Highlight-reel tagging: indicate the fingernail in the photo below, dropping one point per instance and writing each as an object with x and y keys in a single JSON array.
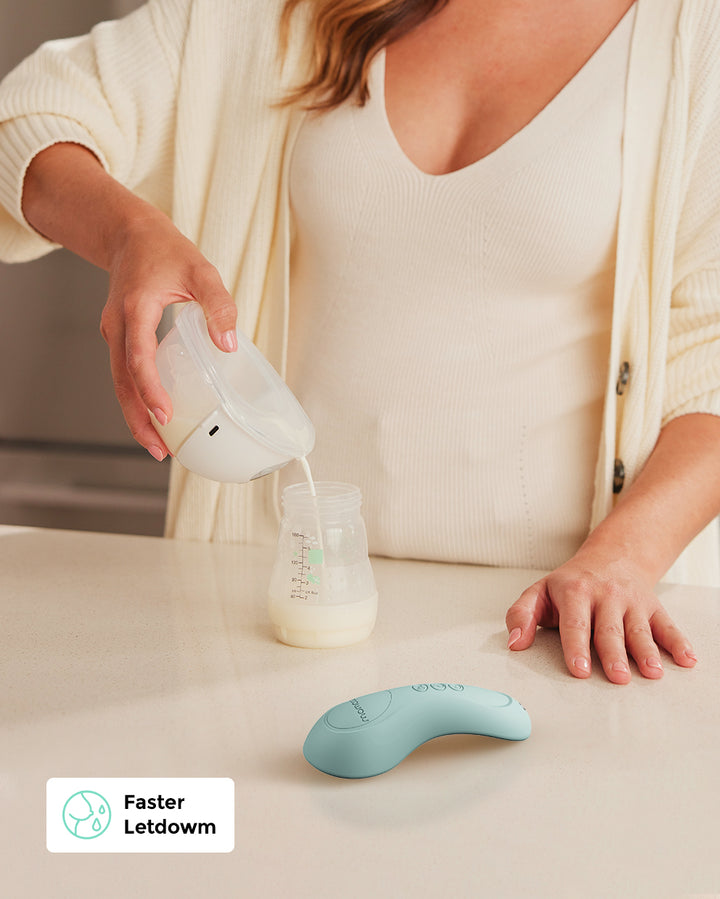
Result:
[
  {"x": 156, "y": 453},
  {"x": 161, "y": 417},
  {"x": 581, "y": 663},
  {"x": 691, "y": 655},
  {"x": 654, "y": 663},
  {"x": 515, "y": 635},
  {"x": 229, "y": 341},
  {"x": 620, "y": 667}
]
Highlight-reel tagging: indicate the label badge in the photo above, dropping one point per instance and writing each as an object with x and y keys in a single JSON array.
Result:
[{"x": 140, "y": 814}]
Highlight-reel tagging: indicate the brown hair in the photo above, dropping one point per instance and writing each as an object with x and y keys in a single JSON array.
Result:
[{"x": 346, "y": 36}]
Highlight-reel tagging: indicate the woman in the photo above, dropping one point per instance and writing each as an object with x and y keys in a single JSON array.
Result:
[{"x": 529, "y": 190}]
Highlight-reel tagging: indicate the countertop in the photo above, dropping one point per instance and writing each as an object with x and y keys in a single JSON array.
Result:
[{"x": 137, "y": 656}]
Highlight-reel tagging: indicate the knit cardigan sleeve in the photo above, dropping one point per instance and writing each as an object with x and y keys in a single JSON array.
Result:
[
  {"x": 693, "y": 362},
  {"x": 94, "y": 91}
]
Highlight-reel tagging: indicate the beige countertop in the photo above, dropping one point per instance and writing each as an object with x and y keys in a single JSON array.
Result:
[{"x": 135, "y": 656}]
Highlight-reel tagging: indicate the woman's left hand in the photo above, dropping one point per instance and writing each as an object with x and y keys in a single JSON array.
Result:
[{"x": 608, "y": 601}]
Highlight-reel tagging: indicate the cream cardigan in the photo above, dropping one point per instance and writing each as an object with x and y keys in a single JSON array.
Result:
[{"x": 176, "y": 101}]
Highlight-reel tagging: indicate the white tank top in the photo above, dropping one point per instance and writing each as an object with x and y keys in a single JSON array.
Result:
[{"x": 449, "y": 334}]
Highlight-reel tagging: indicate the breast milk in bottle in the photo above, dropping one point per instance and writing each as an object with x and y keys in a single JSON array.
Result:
[{"x": 322, "y": 589}]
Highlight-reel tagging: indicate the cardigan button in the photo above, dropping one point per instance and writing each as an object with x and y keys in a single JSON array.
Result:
[
  {"x": 623, "y": 378},
  {"x": 618, "y": 476}
]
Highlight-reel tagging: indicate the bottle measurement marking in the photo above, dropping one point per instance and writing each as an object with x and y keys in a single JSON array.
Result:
[{"x": 304, "y": 583}]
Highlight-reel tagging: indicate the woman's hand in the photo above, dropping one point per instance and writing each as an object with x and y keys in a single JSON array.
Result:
[
  {"x": 608, "y": 601},
  {"x": 606, "y": 591},
  {"x": 153, "y": 266},
  {"x": 70, "y": 198}
]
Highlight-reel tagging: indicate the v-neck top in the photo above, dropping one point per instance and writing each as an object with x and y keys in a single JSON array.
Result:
[{"x": 449, "y": 334}]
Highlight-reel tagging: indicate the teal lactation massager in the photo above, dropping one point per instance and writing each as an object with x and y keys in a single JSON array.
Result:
[{"x": 371, "y": 734}]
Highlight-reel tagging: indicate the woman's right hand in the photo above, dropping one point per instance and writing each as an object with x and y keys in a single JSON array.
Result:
[
  {"x": 152, "y": 266},
  {"x": 69, "y": 198}
]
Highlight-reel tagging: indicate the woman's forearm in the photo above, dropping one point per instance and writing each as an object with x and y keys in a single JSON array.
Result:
[
  {"x": 69, "y": 198},
  {"x": 673, "y": 498}
]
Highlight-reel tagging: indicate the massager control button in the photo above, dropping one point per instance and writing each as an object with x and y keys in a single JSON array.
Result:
[
  {"x": 359, "y": 711},
  {"x": 457, "y": 687},
  {"x": 421, "y": 688},
  {"x": 500, "y": 700},
  {"x": 438, "y": 686}
]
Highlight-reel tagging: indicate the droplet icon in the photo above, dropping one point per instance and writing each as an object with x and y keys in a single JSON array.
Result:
[
  {"x": 101, "y": 810},
  {"x": 96, "y": 825}
]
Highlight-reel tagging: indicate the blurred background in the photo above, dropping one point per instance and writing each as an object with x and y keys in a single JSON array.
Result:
[{"x": 67, "y": 459}]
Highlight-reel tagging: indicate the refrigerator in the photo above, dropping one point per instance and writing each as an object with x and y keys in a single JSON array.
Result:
[{"x": 67, "y": 459}]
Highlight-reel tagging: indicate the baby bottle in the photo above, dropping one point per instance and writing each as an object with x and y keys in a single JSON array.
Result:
[{"x": 322, "y": 590}]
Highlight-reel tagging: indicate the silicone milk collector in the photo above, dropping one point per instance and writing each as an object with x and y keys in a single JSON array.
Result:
[{"x": 234, "y": 418}]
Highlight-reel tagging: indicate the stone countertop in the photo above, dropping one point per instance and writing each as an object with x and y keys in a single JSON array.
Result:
[{"x": 137, "y": 656}]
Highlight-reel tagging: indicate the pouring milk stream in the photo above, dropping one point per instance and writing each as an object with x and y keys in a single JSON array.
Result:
[{"x": 234, "y": 420}]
